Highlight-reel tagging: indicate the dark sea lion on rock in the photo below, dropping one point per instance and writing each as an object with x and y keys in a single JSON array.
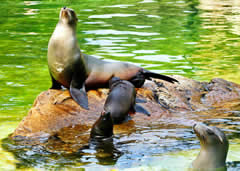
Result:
[
  {"x": 214, "y": 148},
  {"x": 121, "y": 101},
  {"x": 65, "y": 61}
]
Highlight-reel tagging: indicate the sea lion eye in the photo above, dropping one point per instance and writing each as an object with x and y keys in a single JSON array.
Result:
[
  {"x": 72, "y": 12},
  {"x": 210, "y": 132}
]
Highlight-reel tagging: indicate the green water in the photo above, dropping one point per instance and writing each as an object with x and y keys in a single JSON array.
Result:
[{"x": 196, "y": 39}]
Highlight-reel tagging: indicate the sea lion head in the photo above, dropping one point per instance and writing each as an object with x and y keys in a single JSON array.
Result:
[
  {"x": 68, "y": 16},
  {"x": 214, "y": 147},
  {"x": 113, "y": 81},
  {"x": 103, "y": 127}
]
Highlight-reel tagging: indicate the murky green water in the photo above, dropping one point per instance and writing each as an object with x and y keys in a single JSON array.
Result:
[{"x": 194, "y": 38}]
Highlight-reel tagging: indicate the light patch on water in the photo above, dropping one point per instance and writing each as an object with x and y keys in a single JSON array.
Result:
[
  {"x": 116, "y": 32},
  {"x": 7, "y": 162},
  {"x": 113, "y": 47},
  {"x": 29, "y": 3},
  {"x": 96, "y": 22},
  {"x": 88, "y": 10},
  {"x": 163, "y": 58},
  {"x": 110, "y": 51},
  {"x": 30, "y": 11},
  {"x": 191, "y": 43},
  {"x": 147, "y": 1},
  {"x": 128, "y": 45},
  {"x": 102, "y": 42},
  {"x": 139, "y": 26},
  {"x": 153, "y": 16},
  {"x": 122, "y": 54},
  {"x": 114, "y": 38},
  {"x": 160, "y": 38},
  {"x": 112, "y": 15},
  {"x": 145, "y": 51},
  {"x": 118, "y": 6}
]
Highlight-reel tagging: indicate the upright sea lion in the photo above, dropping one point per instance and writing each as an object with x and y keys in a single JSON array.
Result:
[
  {"x": 65, "y": 60},
  {"x": 121, "y": 101},
  {"x": 214, "y": 148},
  {"x": 71, "y": 68}
]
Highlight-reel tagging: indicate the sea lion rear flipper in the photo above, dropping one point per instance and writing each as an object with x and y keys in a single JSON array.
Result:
[
  {"x": 148, "y": 74},
  {"x": 140, "y": 109},
  {"x": 140, "y": 100},
  {"x": 79, "y": 95}
]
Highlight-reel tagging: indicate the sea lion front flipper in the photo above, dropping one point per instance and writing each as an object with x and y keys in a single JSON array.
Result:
[
  {"x": 141, "y": 100},
  {"x": 140, "y": 109},
  {"x": 79, "y": 95},
  {"x": 55, "y": 84}
]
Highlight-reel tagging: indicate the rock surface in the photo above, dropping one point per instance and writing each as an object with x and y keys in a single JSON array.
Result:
[{"x": 55, "y": 116}]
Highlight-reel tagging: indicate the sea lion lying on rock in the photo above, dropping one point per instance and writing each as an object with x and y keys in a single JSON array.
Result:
[{"x": 214, "y": 148}]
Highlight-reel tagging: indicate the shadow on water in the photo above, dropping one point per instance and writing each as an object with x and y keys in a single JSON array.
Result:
[{"x": 194, "y": 38}]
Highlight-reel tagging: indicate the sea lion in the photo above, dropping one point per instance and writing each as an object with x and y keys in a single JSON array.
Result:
[
  {"x": 214, "y": 148},
  {"x": 102, "y": 128},
  {"x": 100, "y": 72},
  {"x": 65, "y": 60},
  {"x": 121, "y": 101},
  {"x": 101, "y": 139}
]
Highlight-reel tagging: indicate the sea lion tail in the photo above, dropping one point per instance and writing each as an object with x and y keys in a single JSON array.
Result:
[{"x": 149, "y": 74}]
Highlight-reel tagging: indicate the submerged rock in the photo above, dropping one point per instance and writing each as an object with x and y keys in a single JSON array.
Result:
[{"x": 59, "y": 123}]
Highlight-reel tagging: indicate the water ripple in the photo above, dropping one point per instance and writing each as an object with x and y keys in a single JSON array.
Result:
[
  {"x": 112, "y": 15},
  {"x": 118, "y": 6},
  {"x": 116, "y": 32}
]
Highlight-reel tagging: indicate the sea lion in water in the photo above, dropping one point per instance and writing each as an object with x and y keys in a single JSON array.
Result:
[
  {"x": 214, "y": 148},
  {"x": 101, "y": 139},
  {"x": 65, "y": 60},
  {"x": 103, "y": 127},
  {"x": 121, "y": 101}
]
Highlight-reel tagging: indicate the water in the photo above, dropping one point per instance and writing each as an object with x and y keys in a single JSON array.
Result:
[{"x": 196, "y": 39}]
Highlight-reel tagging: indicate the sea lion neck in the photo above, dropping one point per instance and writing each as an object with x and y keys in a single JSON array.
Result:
[
  {"x": 70, "y": 28},
  {"x": 210, "y": 158},
  {"x": 71, "y": 25},
  {"x": 68, "y": 36}
]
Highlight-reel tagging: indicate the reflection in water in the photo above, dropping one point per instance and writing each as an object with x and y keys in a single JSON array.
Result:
[
  {"x": 38, "y": 156},
  {"x": 195, "y": 38},
  {"x": 106, "y": 153}
]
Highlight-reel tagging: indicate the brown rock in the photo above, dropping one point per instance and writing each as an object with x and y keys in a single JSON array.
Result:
[{"x": 56, "y": 117}]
